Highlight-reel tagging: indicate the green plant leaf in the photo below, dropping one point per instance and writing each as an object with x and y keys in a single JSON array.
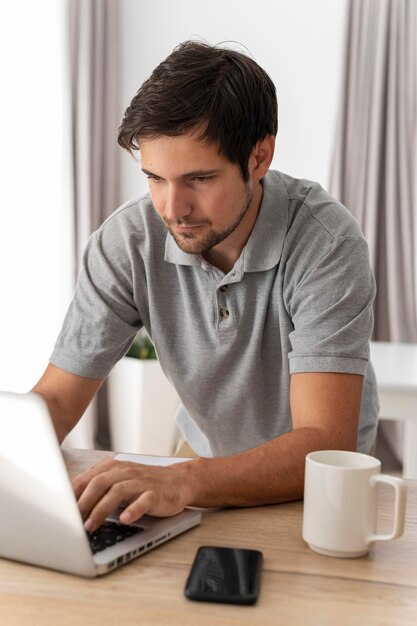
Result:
[{"x": 142, "y": 347}]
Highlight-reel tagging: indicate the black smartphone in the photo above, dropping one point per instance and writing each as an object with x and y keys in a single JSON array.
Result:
[{"x": 230, "y": 575}]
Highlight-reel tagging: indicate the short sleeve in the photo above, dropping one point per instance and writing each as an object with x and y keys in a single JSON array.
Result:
[
  {"x": 102, "y": 319},
  {"x": 332, "y": 311}
]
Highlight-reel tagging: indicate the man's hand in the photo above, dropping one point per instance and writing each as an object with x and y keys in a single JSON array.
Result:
[{"x": 159, "y": 491}]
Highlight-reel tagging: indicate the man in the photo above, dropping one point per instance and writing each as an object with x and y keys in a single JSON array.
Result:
[{"x": 255, "y": 288}]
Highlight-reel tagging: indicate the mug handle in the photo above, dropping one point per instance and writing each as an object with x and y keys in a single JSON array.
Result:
[{"x": 399, "y": 512}]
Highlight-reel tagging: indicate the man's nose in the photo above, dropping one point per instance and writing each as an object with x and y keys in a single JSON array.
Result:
[{"x": 177, "y": 204}]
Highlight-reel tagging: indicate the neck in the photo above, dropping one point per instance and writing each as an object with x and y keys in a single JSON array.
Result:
[{"x": 227, "y": 252}]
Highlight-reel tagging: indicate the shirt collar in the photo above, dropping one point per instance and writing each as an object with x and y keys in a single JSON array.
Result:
[{"x": 264, "y": 247}]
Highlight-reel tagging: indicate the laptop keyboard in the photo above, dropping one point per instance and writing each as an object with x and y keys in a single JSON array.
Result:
[{"x": 110, "y": 533}]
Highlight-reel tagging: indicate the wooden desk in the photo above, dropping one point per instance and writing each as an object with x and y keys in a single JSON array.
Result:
[
  {"x": 396, "y": 373},
  {"x": 298, "y": 586}
]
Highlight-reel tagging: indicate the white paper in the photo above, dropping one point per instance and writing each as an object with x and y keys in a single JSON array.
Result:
[{"x": 151, "y": 460}]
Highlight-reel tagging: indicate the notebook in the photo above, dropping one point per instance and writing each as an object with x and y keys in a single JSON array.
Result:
[{"x": 40, "y": 522}]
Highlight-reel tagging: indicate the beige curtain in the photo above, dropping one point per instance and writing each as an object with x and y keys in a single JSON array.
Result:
[
  {"x": 374, "y": 166},
  {"x": 96, "y": 114}
]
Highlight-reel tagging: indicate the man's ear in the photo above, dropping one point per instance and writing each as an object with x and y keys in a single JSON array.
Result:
[{"x": 261, "y": 157}]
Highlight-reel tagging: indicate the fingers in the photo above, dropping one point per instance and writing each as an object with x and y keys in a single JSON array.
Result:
[
  {"x": 80, "y": 482},
  {"x": 98, "y": 489},
  {"x": 112, "y": 498},
  {"x": 103, "y": 489},
  {"x": 139, "y": 507},
  {"x": 142, "y": 489}
]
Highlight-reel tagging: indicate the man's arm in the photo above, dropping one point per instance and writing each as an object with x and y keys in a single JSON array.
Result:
[
  {"x": 67, "y": 397},
  {"x": 325, "y": 412}
]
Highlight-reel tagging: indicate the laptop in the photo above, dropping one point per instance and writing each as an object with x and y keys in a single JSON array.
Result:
[{"x": 40, "y": 522}]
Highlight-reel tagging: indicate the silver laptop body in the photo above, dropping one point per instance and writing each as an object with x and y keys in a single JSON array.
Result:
[{"x": 40, "y": 522}]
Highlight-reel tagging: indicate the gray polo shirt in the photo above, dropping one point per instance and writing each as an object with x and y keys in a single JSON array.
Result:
[{"x": 299, "y": 299}]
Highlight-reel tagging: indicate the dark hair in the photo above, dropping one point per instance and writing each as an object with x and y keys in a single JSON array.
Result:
[{"x": 224, "y": 90}]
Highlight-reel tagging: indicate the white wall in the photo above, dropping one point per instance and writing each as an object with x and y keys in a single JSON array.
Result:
[
  {"x": 299, "y": 43},
  {"x": 35, "y": 224}
]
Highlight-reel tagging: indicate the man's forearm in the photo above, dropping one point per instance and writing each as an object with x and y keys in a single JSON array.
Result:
[{"x": 270, "y": 473}]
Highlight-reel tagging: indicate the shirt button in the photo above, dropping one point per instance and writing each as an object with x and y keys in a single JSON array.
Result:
[
  {"x": 224, "y": 288},
  {"x": 224, "y": 313}
]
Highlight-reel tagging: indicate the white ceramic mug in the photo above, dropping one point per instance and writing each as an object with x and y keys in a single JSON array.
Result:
[{"x": 340, "y": 503}]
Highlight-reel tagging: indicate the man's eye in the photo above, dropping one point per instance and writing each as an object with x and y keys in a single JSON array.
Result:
[
  {"x": 201, "y": 179},
  {"x": 154, "y": 179}
]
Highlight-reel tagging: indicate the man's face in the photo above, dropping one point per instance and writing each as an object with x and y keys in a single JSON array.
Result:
[{"x": 200, "y": 195}]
